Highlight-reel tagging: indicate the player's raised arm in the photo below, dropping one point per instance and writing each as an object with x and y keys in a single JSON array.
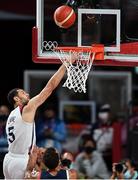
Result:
[
  {"x": 48, "y": 89},
  {"x": 30, "y": 108},
  {"x": 50, "y": 86}
]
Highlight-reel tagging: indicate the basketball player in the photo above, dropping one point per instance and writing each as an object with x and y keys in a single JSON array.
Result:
[
  {"x": 52, "y": 168},
  {"x": 20, "y": 128}
]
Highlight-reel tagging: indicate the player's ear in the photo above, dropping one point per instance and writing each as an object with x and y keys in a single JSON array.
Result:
[{"x": 16, "y": 98}]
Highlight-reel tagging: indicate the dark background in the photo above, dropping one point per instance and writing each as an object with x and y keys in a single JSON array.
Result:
[{"x": 16, "y": 54}]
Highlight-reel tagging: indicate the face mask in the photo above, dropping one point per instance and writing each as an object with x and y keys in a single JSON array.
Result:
[
  {"x": 89, "y": 149},
  {"x": 66, "y": 162},
  {"x": 103, "y": 116}
]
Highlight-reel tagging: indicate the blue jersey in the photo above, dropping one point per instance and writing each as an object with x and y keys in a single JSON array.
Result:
[{"x": 62, "y": 174}]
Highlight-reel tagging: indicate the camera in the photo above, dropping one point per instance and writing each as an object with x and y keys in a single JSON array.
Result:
[{"x": 120, "y": 167}]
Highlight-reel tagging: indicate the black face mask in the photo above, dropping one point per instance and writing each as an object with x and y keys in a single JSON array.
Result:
[
  {"x": 89, "y": 149},
  {"x": 66, "y": 162}
]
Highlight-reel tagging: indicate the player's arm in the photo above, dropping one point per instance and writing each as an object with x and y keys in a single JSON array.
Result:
[
  {"x": 51, "y": 85},
  {"x": 35, "y": 102},
  {"x": 30, "y": 172},
  {"x": 29, "y": 110}
]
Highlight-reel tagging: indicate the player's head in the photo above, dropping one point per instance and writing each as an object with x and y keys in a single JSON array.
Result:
[
  {"x": 51, "y": 158},
  {"x": 17, "y": 97},
  {"x": 89, "y": 145}
]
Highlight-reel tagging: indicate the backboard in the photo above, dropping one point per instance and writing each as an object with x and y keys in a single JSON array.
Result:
[{"x": 96, "y": 23}]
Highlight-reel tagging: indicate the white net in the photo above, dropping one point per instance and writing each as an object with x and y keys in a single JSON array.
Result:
[{"x": 77, "y": 73}]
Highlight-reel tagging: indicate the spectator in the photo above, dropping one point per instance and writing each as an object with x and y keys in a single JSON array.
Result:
[
  {"x": 51, "y": 131},
  {"x": 131, "y": 172},
  {"x": 125, "y": 170},
  {"x": 4, "y": 112},
  {"x": 67, "y": 160},
  {"x": 89, "y": 163},
  {"x": 117, "y": 171},
  {"x": 103, "y": 134}
]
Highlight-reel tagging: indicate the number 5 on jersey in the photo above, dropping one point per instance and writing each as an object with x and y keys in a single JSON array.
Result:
[{"x": 11, "y": 134}]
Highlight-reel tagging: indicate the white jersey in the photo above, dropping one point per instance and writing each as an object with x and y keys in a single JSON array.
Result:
[{"x": 19, "y": 133}]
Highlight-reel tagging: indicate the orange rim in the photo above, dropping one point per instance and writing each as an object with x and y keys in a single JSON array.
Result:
[{"x": 98, "y": 49}]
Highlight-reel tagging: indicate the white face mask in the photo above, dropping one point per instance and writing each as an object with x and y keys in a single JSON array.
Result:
[{"x": 103, "y": 116}]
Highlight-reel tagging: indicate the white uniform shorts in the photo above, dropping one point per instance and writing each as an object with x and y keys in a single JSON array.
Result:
[{"x": 14, "y": 166}]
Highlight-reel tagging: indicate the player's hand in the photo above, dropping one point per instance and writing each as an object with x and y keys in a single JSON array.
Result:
[
  {"x": 74, "y": 56},
  {"x": 71, "y": 58}
]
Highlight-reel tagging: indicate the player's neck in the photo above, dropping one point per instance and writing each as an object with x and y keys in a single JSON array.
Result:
[
  {"x": 18, "y": 104},
  {"x": 53, "y": 172}
]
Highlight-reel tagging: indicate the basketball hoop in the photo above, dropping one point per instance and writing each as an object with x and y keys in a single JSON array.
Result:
[{"x": 77, "y": 73}]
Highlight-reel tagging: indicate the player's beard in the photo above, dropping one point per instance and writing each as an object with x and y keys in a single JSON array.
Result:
[{"x": 25, "y": 101}]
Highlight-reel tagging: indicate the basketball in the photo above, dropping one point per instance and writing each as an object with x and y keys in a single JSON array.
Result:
[{"x": 64, "y": 16}]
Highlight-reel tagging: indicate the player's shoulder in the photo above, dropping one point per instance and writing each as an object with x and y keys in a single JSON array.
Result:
[
  {"x": 14, "y": 111},
  {"x": 13, "y": 114}
]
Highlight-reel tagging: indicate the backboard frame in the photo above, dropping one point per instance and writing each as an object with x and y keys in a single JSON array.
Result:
[{"x": 115, "y": 12}]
